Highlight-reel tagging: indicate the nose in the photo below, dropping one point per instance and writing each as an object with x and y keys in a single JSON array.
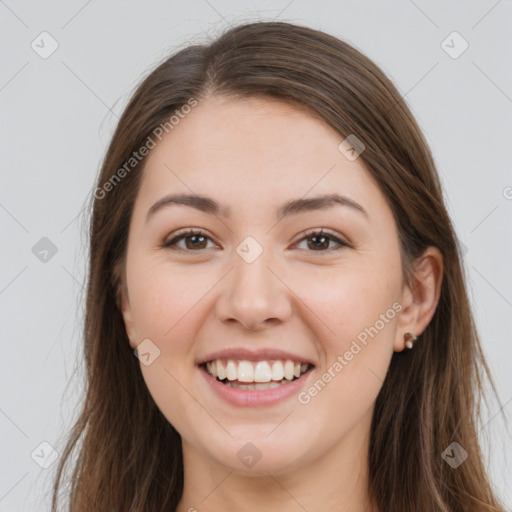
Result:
[{"x": 254, "y": 295}]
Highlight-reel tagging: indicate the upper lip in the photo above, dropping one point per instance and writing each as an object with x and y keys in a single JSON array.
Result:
[{"x": 265, "y": 354}]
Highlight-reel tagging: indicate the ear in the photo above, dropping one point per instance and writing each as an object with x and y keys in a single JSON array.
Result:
[
  {"x": 123, "y": 304},
  {"x": 420, "y": 299}
]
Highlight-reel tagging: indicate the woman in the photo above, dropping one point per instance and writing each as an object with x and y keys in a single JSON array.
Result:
[{"x": 277, "y": 317}]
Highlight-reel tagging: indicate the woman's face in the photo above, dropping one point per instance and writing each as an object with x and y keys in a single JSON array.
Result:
[{"x": 255, "y": 289}]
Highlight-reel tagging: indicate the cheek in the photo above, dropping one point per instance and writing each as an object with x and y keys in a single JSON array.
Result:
[
  {"x": 357, "y": 354},
  {"x": 169, "y": 390},
  {"x": 348, "y": 300},
  {"x": 163, "y": 300},
  {"x": 357, "y": 308},
  {"x": 166, "y": 307}
]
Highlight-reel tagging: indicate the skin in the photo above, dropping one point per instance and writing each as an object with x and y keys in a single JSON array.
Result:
[{"x": 252, "y": 155}]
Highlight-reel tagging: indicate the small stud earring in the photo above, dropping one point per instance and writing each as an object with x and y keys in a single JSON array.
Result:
[{"x": 409, "y": 339}]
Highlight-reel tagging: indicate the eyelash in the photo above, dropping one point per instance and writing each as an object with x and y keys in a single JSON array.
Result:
[{"x": 306, "y": 235}]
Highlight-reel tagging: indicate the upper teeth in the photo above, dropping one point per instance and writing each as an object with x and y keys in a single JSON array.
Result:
[{"x": 255, "y": 371}]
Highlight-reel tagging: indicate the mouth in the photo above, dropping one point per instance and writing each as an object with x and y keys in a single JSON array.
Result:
[{"x": 256, "y": 375}]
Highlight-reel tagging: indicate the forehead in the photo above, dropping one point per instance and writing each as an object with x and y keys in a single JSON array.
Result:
[
  {"x": 256, "y": 127},
  {"x": 255, "y": 151}
]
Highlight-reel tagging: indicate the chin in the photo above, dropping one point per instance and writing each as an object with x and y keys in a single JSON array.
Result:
[{"x": 257, "y": 456}]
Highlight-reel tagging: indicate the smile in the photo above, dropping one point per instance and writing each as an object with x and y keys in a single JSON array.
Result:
[
  {"x": 248, "y": 378},
  {"x": 255, "y": 375}
]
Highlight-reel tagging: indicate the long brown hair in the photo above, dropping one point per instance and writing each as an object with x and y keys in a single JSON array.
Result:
[{"x": 127, "y": 455}]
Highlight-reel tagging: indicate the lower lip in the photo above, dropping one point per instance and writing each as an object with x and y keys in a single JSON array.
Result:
[{"x": 256, "y": 397}]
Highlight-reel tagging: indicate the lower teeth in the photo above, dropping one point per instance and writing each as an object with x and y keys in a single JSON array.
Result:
[{"x": 256, "y": 385}]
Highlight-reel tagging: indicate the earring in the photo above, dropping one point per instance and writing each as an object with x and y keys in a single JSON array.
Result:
[{"x": 409, "y": 339}]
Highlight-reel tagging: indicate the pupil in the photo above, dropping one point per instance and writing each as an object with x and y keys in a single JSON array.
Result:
[
  {"x": 195, "y": 237},
  {"x": 323, "y": 238}
]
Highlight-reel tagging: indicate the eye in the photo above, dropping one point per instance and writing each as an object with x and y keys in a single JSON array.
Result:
[
  {"x": 194, "y": 239},
  {"x": 197, "y": 239},
  {"x": 321, "y": 240}
]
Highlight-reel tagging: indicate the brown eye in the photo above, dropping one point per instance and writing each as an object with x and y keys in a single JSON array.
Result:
[
  {"x": 194, "y": 240},
  {"x": 318, "y": 241}
]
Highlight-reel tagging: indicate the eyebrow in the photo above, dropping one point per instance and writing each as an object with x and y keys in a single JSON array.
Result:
[{"x": 294, "y": 207}]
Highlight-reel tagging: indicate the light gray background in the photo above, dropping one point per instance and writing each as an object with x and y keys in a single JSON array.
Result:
[{"x": 58, "y": 114}]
